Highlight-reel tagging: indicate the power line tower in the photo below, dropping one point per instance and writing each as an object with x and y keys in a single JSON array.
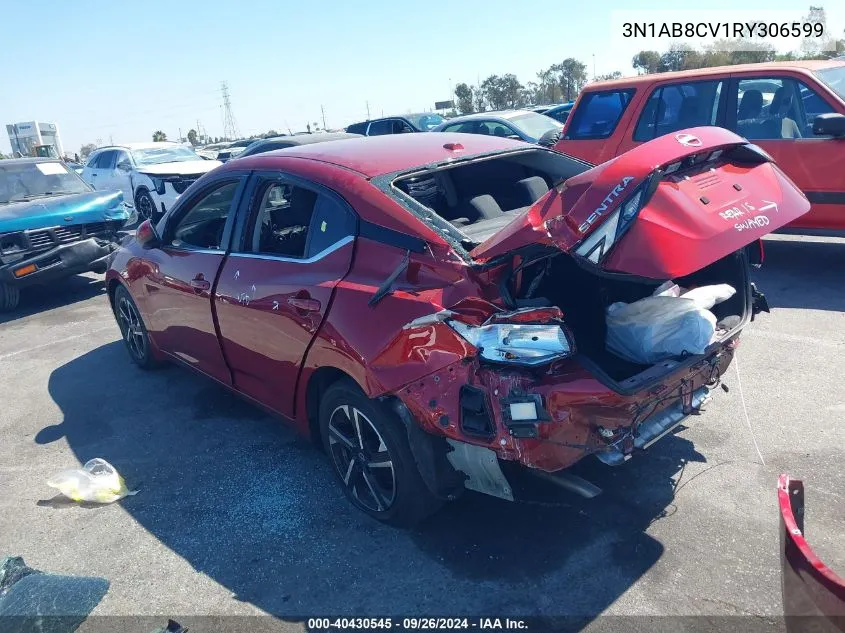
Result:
[{"x": 230, "y": 126}]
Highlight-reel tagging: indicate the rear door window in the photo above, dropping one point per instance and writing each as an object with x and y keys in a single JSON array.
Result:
[
  {"x": 674, "y": 107},
  {"x": 598, "y": 113},
  {"x": 105, "y": 160},
  {"x": 378, "y": 128}
]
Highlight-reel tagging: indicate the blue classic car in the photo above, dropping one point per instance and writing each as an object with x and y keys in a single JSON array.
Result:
[{"x": 52, "y": 225}]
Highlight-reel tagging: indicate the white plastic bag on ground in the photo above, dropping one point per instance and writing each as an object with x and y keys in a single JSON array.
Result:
[
  {"x": 96, "y": 481},
  {"x": 664, "y": 325}
]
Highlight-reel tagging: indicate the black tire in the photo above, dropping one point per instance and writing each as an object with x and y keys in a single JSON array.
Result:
[
  {"x": 133, "y": 330},
  {"x": 10, "y": 296},
  {"x": 363, "y": 472},
  {"x": 145, "y": 206}
]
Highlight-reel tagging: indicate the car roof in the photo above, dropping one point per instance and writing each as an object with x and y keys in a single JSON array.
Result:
[
  {"x": 490, "y": 114},
  {"x": 30, "y": 159},
  {"x": 808, "y": 65},
  {"x": 377, "y": 155},
  {"x": 306, "y": 139},
  {"x": 135, "y": 146}
]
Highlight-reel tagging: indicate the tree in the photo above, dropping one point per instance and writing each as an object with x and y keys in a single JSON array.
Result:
[
  {"x": 609, "y": 76},
  {"x": 86, "y": 150},
  {"x": 478, "y": 101},
  {"x": 271, "y": 133},
  {"x": 192, "y": 137},
  {"x": 680, "y": 57},
  {"x": 571, "y": 76},
  {"x": 158, "y": 135},
  {"x": 647, "y": 62},
  {"x": 464, "y": 95}
]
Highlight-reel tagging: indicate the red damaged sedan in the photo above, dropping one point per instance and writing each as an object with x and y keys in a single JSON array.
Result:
[{"x": 427, "y": 305}]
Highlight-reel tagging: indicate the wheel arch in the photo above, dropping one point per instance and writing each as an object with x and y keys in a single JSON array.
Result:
[{"x": 318, "y": 383}]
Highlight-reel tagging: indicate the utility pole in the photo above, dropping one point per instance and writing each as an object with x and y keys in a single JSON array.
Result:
[
  {"x": 111, "y": 140},
  {"x": 368, "y": 110},
  {"x": 230, "y": 126},
  {"x": 180, "y": 134},
  {"x": 324, "y": 115},
  {"x": 594, "y": 66}
]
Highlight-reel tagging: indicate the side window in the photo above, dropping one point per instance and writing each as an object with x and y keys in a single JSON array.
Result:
[
  {"x": 677, "y": 106},
  {"x": 122, "y": 157},
  {"x": 494, "y": 128},
  {"x": 598, "y": 113},
  {"x": 401, "y": 127},
  {"x": 105, "y": 160},
  {"x": 92, "y": 160},
  {"x": 357, "y": 128},
  {"x": 777, "y": 108},
  {"x": 377, "y": 128},
  {"x": 202, "y": 224},
  {"x": 293, "y": 221}
]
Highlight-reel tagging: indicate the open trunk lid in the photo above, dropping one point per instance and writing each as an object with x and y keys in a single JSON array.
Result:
[{"x": 662, "y": 210}]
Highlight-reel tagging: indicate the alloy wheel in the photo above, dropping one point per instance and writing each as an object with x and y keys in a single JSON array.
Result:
[
  {"x": 362, "y": 459},
  {"x": 145, "y": 206},
  {"x": 132, "y": 328}
]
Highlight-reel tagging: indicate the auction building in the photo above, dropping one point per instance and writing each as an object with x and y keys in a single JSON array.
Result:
[{"x": 25, "y": 136}]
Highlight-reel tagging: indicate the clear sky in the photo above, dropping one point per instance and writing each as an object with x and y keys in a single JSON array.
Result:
[{"x": 116, "y": 70}]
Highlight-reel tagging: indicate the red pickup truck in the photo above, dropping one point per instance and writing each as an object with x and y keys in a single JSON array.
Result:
[{"x": 795, "y": 111}]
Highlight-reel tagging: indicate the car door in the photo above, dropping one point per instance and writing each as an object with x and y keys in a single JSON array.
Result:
[
  {"x": 677, "y": 105},
  {"x": 100, "y": 172},
  {"x": 380, "y": 127},
  {"x": 177, "y": 290},
  {"x": 589, "y": 131},
  {"x": 292, "y": 248},
  {"x": 121, "y": 175},
  {"x": 782, "y": 124}
]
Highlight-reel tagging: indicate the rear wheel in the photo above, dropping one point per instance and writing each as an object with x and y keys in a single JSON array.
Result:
[
  {"x": 368, "y": 448},
  {"x": 10, "y": 296},
  {"x": 133, "y": 330}
]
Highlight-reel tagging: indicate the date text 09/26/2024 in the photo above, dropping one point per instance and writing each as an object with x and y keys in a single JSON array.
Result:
[{"x": 416, "y": 624}]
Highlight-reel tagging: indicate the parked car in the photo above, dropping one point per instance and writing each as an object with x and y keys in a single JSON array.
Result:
[
  {"x": 152, "y": 175},
  {"x": 813, "y": 594},
  {"x": 281, "y": 142},
  {"x": 234, "y": 149},
  {"x": 516, "y": 124},
  {"x": 52, "y": 225},
  {"x": 482, "y": 268},
  {"x": 560, "y": 112},
  {"x": 795, "y": 111},
  {"x": 402, "y": 124},
  {"x": 542, "y": 109}
]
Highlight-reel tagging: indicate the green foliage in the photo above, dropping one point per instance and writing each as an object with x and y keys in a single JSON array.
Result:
[
  {"x": 463, "y": 94},
  {"x": 159, "y": 136},
  {"x": 86, "y": 150},
  {"x": 192, "y": 137}
]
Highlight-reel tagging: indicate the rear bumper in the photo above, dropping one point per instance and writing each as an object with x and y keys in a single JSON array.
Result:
[
  {"x": 63, "y": 261},
  {"x": 576, "y": 415}
]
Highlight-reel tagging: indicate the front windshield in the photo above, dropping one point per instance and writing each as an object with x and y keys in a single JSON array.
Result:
[
  {"x": 27, "y": 181},
  {"x": 157, "y": 155},
  {"x": 834, "y": 78},
  {"x": 535, "y": 125},
  {"x": 426, "y": 122}
]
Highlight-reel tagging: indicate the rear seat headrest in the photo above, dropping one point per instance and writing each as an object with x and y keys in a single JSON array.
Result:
[
  {"x": 486, "y": 207},
  {"x": 532, "y": 189}
]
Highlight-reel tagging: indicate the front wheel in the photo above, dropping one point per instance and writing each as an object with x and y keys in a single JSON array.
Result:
[
  {"x": 10, "y": 296},
  {"x": 368, "y": 447},
  {"x": 145, "y": 205}
]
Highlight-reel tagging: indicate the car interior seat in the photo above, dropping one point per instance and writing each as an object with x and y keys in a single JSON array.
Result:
[
  {"x": 499, "y": 130},
  {"x": 531, "y": 189}
]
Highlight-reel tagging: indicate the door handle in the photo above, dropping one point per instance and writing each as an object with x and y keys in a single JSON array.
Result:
[
  {"x": 199, "y": 284},
  {"x": 306, "y": 305}
]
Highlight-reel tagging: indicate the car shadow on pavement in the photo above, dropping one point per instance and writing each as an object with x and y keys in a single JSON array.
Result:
[
  {"x": 803, "y": 274},
  {"x": 35, "y": 299},
  {"x": 236, "y": 494}
]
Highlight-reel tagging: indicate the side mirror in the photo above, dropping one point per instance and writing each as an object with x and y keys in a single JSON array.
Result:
[
  {"x": 831, "y": 124},
  {"x": 124, "y": 165},
  {"x": 514, "y": 137},
  {"x": 147, "y": 236}
]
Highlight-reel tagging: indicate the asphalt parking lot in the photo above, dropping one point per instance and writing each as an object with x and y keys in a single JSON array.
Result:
[{"x": 236, "y": 516}]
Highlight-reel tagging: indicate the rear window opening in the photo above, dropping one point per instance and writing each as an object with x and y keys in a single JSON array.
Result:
[{"x": 481, "y": 196}]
